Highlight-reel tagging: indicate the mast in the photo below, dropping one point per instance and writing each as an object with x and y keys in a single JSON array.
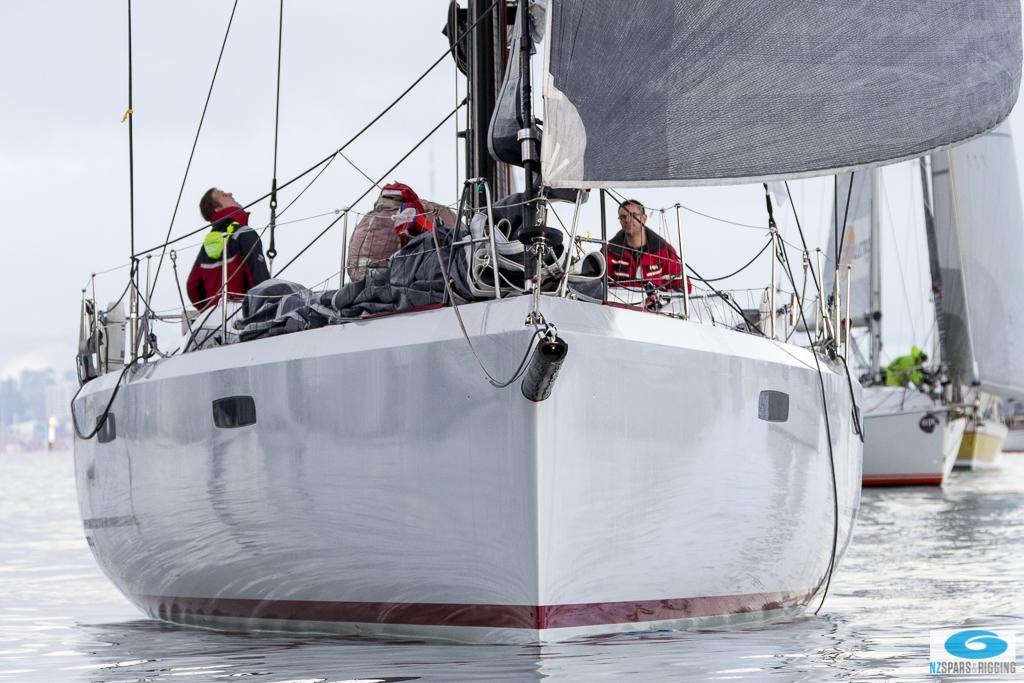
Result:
[
  {"x": 528, "y": 136},
  {"x": 933, "y": 258},
  {"x": 875, "y": 317},
  {"x": 485, "y": 69}
]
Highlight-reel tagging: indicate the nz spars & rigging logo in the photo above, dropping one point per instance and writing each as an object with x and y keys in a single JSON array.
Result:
[{"x": 985, "y": 651}]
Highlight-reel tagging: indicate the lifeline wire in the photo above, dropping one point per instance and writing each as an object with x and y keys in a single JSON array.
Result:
[{"x": 743, "y": 267}]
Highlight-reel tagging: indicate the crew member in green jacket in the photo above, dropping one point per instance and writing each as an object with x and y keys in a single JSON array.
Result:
[{"x": 906, "y": 369}]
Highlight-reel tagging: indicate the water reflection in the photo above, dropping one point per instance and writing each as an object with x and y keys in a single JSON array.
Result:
[
  {"x": 921, "y": 559},
  {"x": 144, "y": 650}
]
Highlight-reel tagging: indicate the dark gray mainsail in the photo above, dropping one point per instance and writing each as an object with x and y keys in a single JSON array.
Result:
[
  {"x": 679, "y": 92},
  {"x": 979, "y": 232}
]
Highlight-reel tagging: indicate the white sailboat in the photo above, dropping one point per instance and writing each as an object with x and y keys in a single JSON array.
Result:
[
  {"x": 985, "y": 436},
  {"x": 910, "y": 438},
  {"x": 979, "y": 226},
  {"x": 1014, "y": 413},
  {"x": 364, "y": 478}
]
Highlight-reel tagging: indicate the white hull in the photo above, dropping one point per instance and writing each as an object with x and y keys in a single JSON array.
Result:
[
  {"x": 983, "y": 442},
  {"x": 387, "y": 489},
  {"x": 908, "y": 438},
  {"x": 1014, "y": 441}
]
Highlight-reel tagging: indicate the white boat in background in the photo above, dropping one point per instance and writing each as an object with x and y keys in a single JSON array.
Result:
[
  {"x": 975, "y": 190},
  {"x": 1014, "y": 442},
  {"x": 983, "y": 442},
  {"x": 910, "y": 439},
  {"x": 364, "y": 478},
  {"x": 1014, "y": 413},
  {"x": 985, "y": 435}
]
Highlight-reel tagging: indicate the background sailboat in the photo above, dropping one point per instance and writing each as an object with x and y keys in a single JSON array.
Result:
[
  {"x": 910, "y": 437},
  {"x": 979, "y": 231}
]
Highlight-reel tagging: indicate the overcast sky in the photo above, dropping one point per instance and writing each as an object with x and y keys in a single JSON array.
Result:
[{"x": 64, "y": 151}]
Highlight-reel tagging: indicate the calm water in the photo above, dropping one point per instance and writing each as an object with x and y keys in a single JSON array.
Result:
[{"x": 921, "y": 559}]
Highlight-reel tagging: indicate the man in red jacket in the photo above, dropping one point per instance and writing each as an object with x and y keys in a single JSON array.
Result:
[
  {"x": 246, "y": 265},
  {"x": 637, "y": 255}
]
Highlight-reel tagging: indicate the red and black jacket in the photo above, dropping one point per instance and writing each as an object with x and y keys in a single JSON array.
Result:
[
  {"x": 655, "y": 262},
  {"x": 246, "y": 265}
]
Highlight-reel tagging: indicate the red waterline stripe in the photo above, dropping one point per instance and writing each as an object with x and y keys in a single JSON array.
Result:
[
  {"x": 490, "y": 616},
  {"x": 903, "y": 480}
]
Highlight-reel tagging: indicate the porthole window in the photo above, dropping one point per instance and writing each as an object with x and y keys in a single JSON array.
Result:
[
  {"x": 108, "y": 430},
  {"x": 773, "y": 406},
  {"x": 234, "y": 411}
]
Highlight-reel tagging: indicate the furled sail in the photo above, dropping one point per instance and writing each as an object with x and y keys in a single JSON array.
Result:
[
  {"x": 678, "y": 92},
  {"x": 979, "y": 231},
  {"x": 855, "y": 240},
  {"x": 507, "y": 121}
]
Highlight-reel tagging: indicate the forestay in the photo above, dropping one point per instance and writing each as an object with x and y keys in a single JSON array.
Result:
[
  {"x": 854, "y": 236},
  {"x": 979, "y": 229},
  {"x": 679, "y": 92}
]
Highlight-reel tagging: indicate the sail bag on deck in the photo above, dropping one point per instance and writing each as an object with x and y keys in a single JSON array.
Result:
[{"x": 680, "y": 92}]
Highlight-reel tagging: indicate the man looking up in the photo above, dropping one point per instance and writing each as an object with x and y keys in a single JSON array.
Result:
[
  {"x": 637, "y": 255},
  {"x": 246, "y": 265}
]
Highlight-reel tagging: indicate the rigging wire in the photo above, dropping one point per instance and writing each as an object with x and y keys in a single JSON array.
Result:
[
  {"x": 323, "y": 162},
  {"x": 309, "y": 184},
  {"x": 784, "y": 259},
  {"x": 846, "y": 217},
  {"x": 359, "y": 170},
  {"x": 379, "y": 180},
  {"x": 131, "y": 140},
  {"x": 726, "y": 221},
  {"x": 272, "y": 248},
  {"x": 195, "y": 142},
  {"x": 360, "y": 198},
  {"x": 327, "y": 159}
]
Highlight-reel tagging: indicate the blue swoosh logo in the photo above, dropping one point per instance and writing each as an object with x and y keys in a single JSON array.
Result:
[{"x": 975, "y": 644}]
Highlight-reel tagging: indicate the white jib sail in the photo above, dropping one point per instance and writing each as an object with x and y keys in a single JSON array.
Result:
[{"x": 980, "y": 233}]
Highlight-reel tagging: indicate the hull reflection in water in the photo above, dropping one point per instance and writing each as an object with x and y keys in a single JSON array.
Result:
[{"x": 384, "y": 488}]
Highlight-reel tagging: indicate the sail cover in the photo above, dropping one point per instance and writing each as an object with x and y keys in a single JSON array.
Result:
[
  {"x": 979, "y": 230},
  {"x": 678, "y": 92},
  {"x": 855, "y": 238}
]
